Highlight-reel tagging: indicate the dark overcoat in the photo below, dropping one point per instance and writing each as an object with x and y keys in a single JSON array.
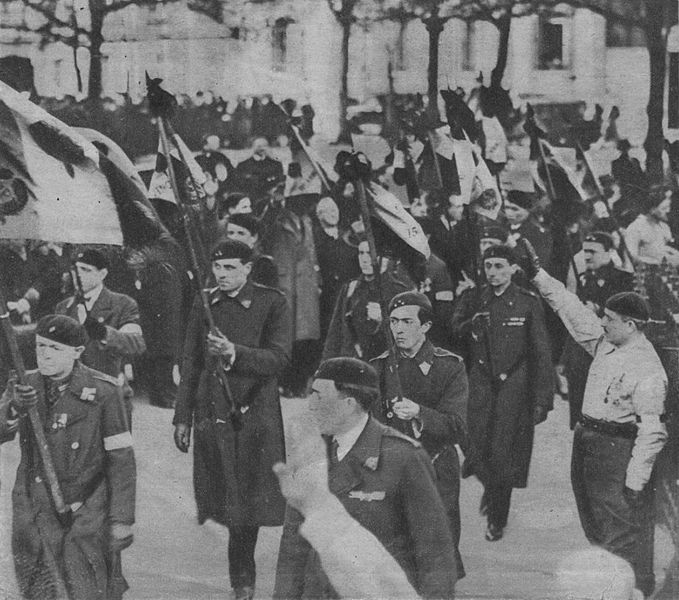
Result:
[
  {"x": 89, "y": 440},
  {"x": 510, "y": 373},
  {"x": 436, "y": 380},
  {"x": 351, "y": 333},
  {"x": 385, "y": 482},
  {"x": 233, "y": 479}
]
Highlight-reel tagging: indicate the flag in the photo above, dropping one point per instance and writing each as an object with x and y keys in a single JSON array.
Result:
[
  {"x": 566, "y": 183},
  {"x": 388, "y": 209},
  {"x": 483, "y": 179},
  {"x": 315, "y": 175},
  {"x": 57, "y": 186},
  {"x": 186, "y": 169}
]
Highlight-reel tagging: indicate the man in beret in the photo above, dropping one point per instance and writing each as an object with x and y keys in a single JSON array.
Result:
[
  {"x": 89, "y": 440},
  {"x": 233, "y": 479},
  {"x": 357, "y": 327},
  {"x": 622, "y": 427},
  {"x": 600, "y": 280},
  {"x": 425, "y": 397},
  {"x": 110, "y": 319},
  {"x": 385, "y": 481},
  {"x": 246, "y": 228},
  {"x": 511, "y": 382}
]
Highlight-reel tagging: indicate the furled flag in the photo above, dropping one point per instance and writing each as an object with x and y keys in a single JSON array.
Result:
[
  {"x": 55, "y": 185},
  {"x": 565, "y": 181},
  {"x": 313, "y": 175},
  {"x": 190, "y": 176},
  {"x": 388, "y": 209}
]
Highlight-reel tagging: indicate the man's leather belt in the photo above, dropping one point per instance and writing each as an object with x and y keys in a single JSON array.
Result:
[{"x": 624, "y": 430}]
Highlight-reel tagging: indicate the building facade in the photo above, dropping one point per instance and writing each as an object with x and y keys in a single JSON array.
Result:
[{"x": 291, "y": 49}]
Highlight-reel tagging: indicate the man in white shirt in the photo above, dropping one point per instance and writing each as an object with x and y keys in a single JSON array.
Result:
[{"x": 621, "y": 431}]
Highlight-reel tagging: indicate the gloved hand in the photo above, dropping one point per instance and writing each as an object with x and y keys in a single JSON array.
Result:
[
  {"x": 533, "y": 260},
  {"x": 182, "y": 436},
  {"x": 632, "y": 497},
  {"x": 540, "y": 414},
  {"x": 120, "y": 537},
  {"x": 23, "y": 399},
  {"x": 95, "y": 330}
]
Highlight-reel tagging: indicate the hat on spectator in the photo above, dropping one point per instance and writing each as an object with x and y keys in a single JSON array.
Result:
[
  {"x": 246, "y": 221},
  {"x": 522, "y": 199}
]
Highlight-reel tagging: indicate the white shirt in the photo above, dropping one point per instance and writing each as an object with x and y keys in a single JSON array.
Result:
[
  {"x": 90, "y": 298},
  {"x": 345, "y": 441}
]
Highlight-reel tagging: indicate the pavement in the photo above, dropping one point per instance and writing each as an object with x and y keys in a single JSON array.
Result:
[{"x": 173, "y": 558}]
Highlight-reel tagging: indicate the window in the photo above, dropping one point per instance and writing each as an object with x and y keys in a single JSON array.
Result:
[
  {"x": 621, "y": 35},
  {"x": 279, "y": 44},
  {"x": 551, "y": 46}
]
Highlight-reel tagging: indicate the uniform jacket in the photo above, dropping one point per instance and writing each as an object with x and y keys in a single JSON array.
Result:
[
  {"x": 438, "y": 287},
  {"x": 436, "y": 380},
  {"x": 510, "y": 373},
  {"x": 351, "y": 333},
  {"x": 257, "y": 177},
  {"x": 598, "y": 286},
  {"x": 625, "y": 384},
  {"x": 384, "y": 482},
  {"x": 290, "y": 242},
  {"x": 91, "y": 446},
  {"x": 233, "y": 480},
  {"x": 113, "y": 310}
]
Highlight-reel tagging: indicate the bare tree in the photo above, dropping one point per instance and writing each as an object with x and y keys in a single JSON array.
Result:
[{"x": 58, "y": 22}]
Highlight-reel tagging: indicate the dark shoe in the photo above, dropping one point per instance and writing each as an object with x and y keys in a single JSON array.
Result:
[
  {"x": 244, "y": 593},
  {"x": 494, "y": 533}
]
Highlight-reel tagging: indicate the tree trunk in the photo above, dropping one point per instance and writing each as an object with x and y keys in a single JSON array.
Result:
[
  {"x": 656, "y": 54},
  {"x": 94, "y": 83},
  {"x": 434, "y": 25},
  {"x": 344, "y": 133},
  {"x": 503, "y": 25}
]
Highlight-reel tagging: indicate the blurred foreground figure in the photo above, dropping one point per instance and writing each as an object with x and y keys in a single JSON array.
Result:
[
  {"x": 385, "y": 481},
  {"x": 356, "y": 563},
  {"x": 85, "y": 422}
]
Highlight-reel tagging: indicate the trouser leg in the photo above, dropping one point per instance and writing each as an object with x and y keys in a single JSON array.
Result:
[
  {"x": 498, "y": 498},
  {"x": 242, "y": 542}
]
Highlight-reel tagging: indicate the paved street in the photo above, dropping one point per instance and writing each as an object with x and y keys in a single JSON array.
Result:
[{"x": 174, "y": 558}]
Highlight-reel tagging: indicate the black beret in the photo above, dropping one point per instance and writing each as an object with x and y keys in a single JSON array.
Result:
[
  {"x": 523, "y": 199},
  {"x": 246, "y": 221},
  {"x": 410, "y": 299},
  {"x": 93, "y": 257},
  {"x": 500, "y": 251},
  {"x": 494, "y": 232},
  {"x": 232, "y": 249},
  {"x": 350, "y": 371},
  {"x": 629, "y": 304},
  {"x": 600, "y": 237},
  {"x": 62, "y": 329}
]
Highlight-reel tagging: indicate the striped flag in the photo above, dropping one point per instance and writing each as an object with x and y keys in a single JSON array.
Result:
[
  {"x": 55, "y": 185},
  {"x": 189, "y": 174},
  {"x": 388, "y": 209}
]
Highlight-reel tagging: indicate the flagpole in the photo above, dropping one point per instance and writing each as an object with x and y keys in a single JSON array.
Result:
[
  {"x": 232, "y": 412},
  {"x": 552, "y": 199},
  {"x": 41, "y": 441},
  {"x": 623, "y": 250},
  {"x": 357, "y": 169}
]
